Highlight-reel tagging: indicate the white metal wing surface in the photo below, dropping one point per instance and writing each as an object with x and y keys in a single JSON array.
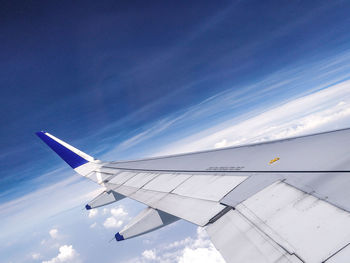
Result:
[{"x": 279, "y": 201}]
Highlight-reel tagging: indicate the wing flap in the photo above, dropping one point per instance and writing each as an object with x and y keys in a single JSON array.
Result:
[
  {"x": 299, "y": 221},
  {"x": 140, "y": 179},
  {"x": 121, "y": 178},
  {"x": 196, "y": 211},
  {"x": 282, "y": 222},
  {"x": 166, "y": 182},
  {"x": 342, "y": 256},
  {"x": 209, "y": 187},
  {"x": 123, "y": 189},
  {"x": 97, "y": 177},
  {"x": 238, "y": 240}
]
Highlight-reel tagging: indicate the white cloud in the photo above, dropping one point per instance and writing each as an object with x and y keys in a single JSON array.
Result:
[
  {"x": 117, "y": 218},
  {"x": 221, "y": 143},
  {"x": 53, "y": 233},
  {"x": 36, "y": 256},
  {"x": 66, "y": 254},
  {"x": 201, "y": 251},
  {"x": 118, "y": 212},
  {"x": 93, "y": 213},
  {"x": 188, "y": 250},
  {"x": 201, "y": 255},
  {"x": 149, "y": 254},
  {"x": 93, "y": 225},
  {"x": 112, "y": 222}
]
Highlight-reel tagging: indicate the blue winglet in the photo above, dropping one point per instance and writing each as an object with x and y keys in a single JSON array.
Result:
[
  {"x": 119, "y": 237},
  {"x": 88, "y": 207},
  {"x": 73, "y": 159}
]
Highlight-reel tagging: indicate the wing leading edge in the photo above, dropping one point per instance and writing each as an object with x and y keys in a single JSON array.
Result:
[{"x": 267, "y": 202}]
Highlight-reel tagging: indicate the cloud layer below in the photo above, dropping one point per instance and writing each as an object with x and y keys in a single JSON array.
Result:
[
  {"x": 323, "y": 110},
  {"x": 197, "y": 249}
]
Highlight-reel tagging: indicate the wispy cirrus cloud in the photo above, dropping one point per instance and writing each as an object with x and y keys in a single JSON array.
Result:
[
  {"x": 323, "y": 110},
  {"x": 241, "y": 102}
]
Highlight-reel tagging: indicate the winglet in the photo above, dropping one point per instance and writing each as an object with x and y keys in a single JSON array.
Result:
[{"x": 68, "y": 153}]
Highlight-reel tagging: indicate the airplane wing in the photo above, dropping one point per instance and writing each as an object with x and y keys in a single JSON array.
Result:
[{"x": 280, "y": 201}]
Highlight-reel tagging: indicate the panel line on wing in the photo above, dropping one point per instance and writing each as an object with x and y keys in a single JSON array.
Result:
[
  {"x": 298, "y": 221},
  {"x": 225, "y": 171}
]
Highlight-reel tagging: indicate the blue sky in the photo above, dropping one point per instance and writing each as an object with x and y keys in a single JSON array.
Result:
[{"x": 124, "y": 80}]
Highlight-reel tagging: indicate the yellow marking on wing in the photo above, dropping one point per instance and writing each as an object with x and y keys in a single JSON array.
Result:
[{"x": 274, "y": 160}]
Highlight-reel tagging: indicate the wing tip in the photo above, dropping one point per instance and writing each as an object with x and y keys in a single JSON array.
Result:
[
  {"x": 69, "y": 154},
  {"x": 40, "y": 133}
]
